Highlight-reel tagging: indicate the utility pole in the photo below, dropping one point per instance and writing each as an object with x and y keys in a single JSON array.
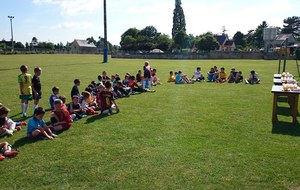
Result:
[
  {"x": 105, "y": 50},
  {"x": 11, "y": 30}
]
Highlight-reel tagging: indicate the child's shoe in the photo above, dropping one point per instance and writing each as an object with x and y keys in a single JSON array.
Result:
[
  {"x": 24, "y": 115},
  {"x": 11, "y": 154},
  {"x": 2, "y": 157}
]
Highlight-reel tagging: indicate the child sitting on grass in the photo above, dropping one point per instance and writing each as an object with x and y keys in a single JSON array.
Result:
[
  {"x": 88, "y": 103},
  {"x": 253, "y": 78},
  {"x": 154, "y": 79},
  {"x": 211, "y": 77},
  {"x": 198, "y": 75},
  {"x": 181, "y": 78},
  {"x": 60, "y": 117},
  {"x": 7, "y": 126},
  {"x": 106, "y": 99},
  {"x": 75, "y": 109},
  {"x": 6, "y": 151},
  {"x": 171, "y": 77},
  {"x": 222, "y": 76},
  {"x": 135, "y": 88},
  {"x": 37, "y": 127}
]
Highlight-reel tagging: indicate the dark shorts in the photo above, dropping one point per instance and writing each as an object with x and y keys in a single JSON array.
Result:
[
  {"x": 26, "y": 97},
  {"x": 38, "y": 97},
  {"x": 37, "y": 136}
]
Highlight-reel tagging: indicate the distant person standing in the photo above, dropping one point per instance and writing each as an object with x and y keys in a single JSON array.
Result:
[
  {"x": 147, "y": 75},
  {"x": 36, "y": 87},
  {"x": 24, "y": 80}
]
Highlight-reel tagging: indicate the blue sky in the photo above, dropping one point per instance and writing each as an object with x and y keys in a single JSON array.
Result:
[{"x": 65, "y": 20}]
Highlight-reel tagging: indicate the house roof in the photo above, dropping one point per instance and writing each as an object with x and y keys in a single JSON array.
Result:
[
  {"x": 229, "y": 43},
  {"x": 84, "y": 43},
  {"x": 283, "y": 36},
  {"x": 221, "y": 38}
]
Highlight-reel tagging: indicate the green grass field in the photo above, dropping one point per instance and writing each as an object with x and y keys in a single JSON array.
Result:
[{"x": 199, "y": 136}]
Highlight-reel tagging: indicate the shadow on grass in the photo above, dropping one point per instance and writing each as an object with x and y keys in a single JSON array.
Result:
[
  {"x": 97, "y": 117},
  {"x": 93, "y": 118},
  {"x": 286, "y": 128},
  {"x": 25, "y": 140},
  {"x": 286, "y": 111}
]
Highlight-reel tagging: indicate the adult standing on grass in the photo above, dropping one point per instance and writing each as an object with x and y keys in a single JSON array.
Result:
[
  {"x": 24, "y": 80},
  {"x": 147, "y": 75},
  {"x": 36, "y": 87}
]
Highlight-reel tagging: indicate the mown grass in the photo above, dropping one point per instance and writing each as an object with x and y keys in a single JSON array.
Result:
[{"x": 199, "y": 136}]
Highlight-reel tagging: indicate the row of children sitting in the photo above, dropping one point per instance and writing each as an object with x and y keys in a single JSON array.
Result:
[
  {"x": 214, "y": 75},
  {"x": 61, "y": 116}
]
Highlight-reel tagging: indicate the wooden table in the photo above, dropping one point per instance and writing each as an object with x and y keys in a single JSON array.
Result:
[{"x": 293, "y": 97}]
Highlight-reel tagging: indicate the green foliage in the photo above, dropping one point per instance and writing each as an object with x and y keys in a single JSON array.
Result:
[
  {"x": 163, "y": 42},
  {"x": 3, "y": 46},
  {"x": 239, "y": 39},
  {"x": 145, "y": 39},
  {"x": 129, "y": 43},
  {"x": 199, "y": 136},
  {"x": 178, "y": 19},
  {"x": 181, "y": 39},
  {"x": 254, "y": 38},
  {"x": 19, "y": 45},
  {"x": 206, "y": 42},
  {"x": 291, "y": 26},
  {"x": 149, "y": 31}
]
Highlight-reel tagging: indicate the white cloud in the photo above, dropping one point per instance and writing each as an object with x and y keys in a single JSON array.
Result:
[
  {"x": 74, "y": 26},
  {"x": 74, "y": 7}
]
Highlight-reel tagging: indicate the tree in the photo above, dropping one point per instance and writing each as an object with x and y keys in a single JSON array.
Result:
[
  {"x": 3, "y": 46},
  {"x": 27, "y": 45},
  {"x": 178, "y": 19},
  {"x": 19, "y": 45},
  {"x": 129, "y": 43},
  {"x": 291, "y": 26},
  {"x": 254, "y": 38},
  {"x": 128, "y": 38},
  {"x": 144, "y": 43},
  {"x": 239, "y": 39},
  {"x": 206, "y": 42},
  {"x": 163, "y": 42},
  {"x": 181, "y": 39},
  {"x": 149, "y": 31},
  {"x": 91, "y": 40}
]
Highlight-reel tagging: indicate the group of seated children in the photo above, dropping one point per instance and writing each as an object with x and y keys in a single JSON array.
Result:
[
  {"x": 213, "y": 75},
  {"x": 179, "y": 78}
]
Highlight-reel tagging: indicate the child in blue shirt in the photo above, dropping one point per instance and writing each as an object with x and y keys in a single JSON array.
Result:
[
  {"x": 53, "y": 96},
  {"x": 37, "y": 127}
]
